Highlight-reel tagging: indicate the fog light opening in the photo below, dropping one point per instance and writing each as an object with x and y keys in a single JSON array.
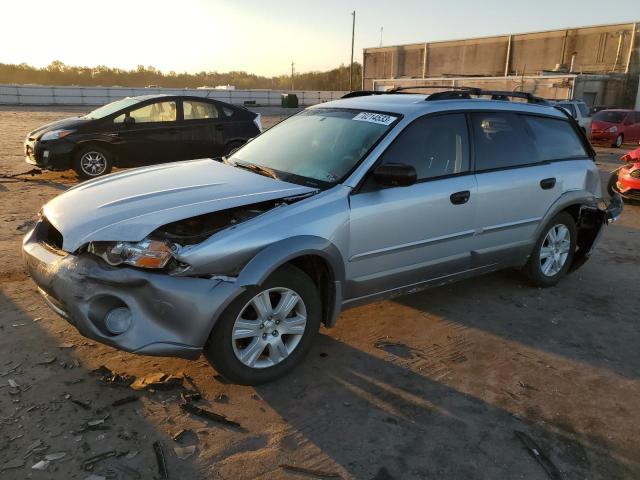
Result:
[{"x": 118, "y": 320}]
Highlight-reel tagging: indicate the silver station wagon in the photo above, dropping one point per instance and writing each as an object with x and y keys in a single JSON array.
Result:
[{"x": 348, "y": 202}]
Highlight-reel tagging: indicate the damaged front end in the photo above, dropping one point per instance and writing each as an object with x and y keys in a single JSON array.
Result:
[{"x": 592, "y": 217}]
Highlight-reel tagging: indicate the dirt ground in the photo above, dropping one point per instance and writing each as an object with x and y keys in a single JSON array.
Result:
[{"x": 433, "y": 385}]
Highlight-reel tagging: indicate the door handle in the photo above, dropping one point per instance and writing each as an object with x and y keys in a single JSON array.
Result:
[
  {"x": 459, "y": 198},
  {"x": 548, "y": 183}
]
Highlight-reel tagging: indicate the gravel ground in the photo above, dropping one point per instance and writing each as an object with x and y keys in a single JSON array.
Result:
[{"x": 431, "y": 385}]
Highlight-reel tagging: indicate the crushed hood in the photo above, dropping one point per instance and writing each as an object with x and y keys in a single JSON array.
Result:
[{"x": 128, "y": 206}]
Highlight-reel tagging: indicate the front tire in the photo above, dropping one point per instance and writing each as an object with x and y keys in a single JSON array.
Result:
[
  {"x": 553, "y": 253},
  {"x": 92, "y": 162},
  {"x": 619, "y": 141},
  {"x": 265, "y": 332}
]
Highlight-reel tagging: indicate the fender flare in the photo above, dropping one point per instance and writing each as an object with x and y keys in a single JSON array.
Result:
[
  {"x": 567, "y": 199},
  {"x": 277, "y": 254}
]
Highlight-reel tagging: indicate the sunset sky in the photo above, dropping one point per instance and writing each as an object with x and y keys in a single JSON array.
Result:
[{"x": 264, "y": 37}]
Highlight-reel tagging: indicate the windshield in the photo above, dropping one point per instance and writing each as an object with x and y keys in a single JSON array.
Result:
[
  {"x": 610, "y": 116},
  {"x": 318, "y": 146},
  {"x": 112, "y": 107}
]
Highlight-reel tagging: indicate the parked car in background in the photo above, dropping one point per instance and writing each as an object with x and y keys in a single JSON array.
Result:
[
  {"x": 346, "y": 203},
  {"x": 615, "y": 126},
  {"x": 578, "y": 110},
  {"x": 142, "y": 130}
]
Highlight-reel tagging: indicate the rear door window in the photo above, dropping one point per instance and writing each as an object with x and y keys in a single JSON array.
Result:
[
  {"x": 435, "y": 146},
  {"x": 555, "y": 139},
  {"x": 199, "y": 110},
  {"x": 502, "y": 140}
]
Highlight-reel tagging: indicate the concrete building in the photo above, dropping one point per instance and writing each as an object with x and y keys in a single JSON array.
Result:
[{"x": 598, "y": 64}]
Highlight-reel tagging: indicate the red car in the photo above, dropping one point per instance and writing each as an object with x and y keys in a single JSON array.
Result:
[
  {"x": 626, "y": 179},
  {"x": 614, "y": 127}
]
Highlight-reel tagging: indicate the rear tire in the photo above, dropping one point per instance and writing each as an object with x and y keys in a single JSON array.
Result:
[
  {"x": 253, "y": 345},
  {"x": 553, "y": 253},
  {"x": 92, "y": 162}
]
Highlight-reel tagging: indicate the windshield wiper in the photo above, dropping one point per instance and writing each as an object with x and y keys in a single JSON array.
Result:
[{"x": 267, "y": 172}]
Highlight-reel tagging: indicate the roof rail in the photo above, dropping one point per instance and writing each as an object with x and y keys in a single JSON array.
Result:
[{"x": 455, "y": 93}]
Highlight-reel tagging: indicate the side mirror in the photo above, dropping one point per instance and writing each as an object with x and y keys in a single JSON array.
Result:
[
  {"x": 128, "y": 120},
  {"x": 395, "y": 175}
]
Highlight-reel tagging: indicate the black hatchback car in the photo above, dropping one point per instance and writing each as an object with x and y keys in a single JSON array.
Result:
[{"x": 142, "y": 130}]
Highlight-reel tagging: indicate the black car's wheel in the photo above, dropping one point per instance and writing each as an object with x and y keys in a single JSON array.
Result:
[
  {"x": 619, "y": 141},
  {"x": 92, "y": 162},
  {"x": 231, "y": 147},
  {"x": 267, "y": 330},
  {"x": 553, "y": 253}
]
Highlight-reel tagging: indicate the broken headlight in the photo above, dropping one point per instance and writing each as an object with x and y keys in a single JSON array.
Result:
[{"x": 144, "y": 254}]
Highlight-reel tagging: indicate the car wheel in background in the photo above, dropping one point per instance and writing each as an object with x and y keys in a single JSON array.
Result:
[
  {"x": 92, "y": 162},
  {"x": 267, "y": 330},
  {"x": 619, "y": 141},
  {"x": 231, "y": 147},
  {"x": 553, "y": 253}
]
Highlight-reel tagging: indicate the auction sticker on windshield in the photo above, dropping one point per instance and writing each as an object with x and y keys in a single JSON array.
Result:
[{"x": 379, "y": 118}]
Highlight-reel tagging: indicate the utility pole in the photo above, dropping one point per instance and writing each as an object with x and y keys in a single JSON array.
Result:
[
  {"x": 381, "y": 29},
  {"x": 353, "y": 33},
  {"x": 292, "y": 74}
]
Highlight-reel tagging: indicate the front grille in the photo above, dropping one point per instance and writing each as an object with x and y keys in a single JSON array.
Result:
[
  {"x": 48, "y": 234},
  {"x": 635, "y": 173}
]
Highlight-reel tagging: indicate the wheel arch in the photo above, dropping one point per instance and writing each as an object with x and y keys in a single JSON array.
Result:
[
  {"x": 317, "y": 257},
  {"x": 110, "y": 147},
  {"x": 582, "y": 206}
]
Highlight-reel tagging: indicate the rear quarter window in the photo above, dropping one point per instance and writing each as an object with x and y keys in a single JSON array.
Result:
[{"x": 554, "y": 139}]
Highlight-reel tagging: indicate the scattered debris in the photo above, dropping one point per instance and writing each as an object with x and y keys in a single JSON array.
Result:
[
  {"x": 46, "y": 359},
  {"x": 184, "y": 452},
  {"x": 162, "y": 463},
  {"x": 33, "y": 447},
  {"x": 191, "y": 396},
  {"x": 209, "y": 415},
  {"x": 41, "y": 465},
  {"x": 12, "y": 464},
  {"x": 527, "y": 387},
  {"x": 178, "y": 435},
  {"x": 309, "y": 472},
  {"x": 52, "y": 457},
  {"x": 13, "y": 383},
  {"x": 66, "y": 346},
  {"x": 131, "y": 454},
  {"x": 124, "y": 401},
  {"x": 108, "y": 377},
  {"x": 90, "y": 462},
  {"x": 81, "y": 404},
  {"x": 11, "y": 370},
  {"x": 534, "y": 450},
  {"x": 221, "y": 398},
  {"x": 95, "y": 477},
  {"x": 157, "y": 381}
]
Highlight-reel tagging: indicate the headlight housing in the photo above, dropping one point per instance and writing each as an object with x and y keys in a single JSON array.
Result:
[
  {"x": 56, "y": 134},
  {"x": 612, "y": 129},
  {"x": 147, "y": 253}
]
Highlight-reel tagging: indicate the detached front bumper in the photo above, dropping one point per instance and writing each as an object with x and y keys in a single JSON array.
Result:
[{"x": 170, "y": 316}]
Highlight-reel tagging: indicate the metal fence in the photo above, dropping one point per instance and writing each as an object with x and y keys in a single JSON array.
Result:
[{"x": 56, "y": 95}]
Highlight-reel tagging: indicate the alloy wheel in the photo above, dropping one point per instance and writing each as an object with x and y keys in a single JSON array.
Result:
[
  {"x": 269, "y": 327},
  {"x": 555, "y": 250},
  {"x": 93, "y": 163}
]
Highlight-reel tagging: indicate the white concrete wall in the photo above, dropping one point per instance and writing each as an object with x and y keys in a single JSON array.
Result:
[{"x": 54, "y": 95}]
